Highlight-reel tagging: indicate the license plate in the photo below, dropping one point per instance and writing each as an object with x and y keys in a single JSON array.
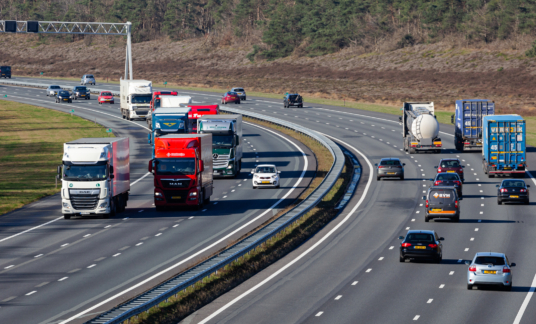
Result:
[
  {"x": 82, "y": 95},
  {"x": 478, "y": 143},
  {"x": 176, "y": 197},
  {"x": 391, "y": 172},
  {"x": 420, "y": 247},
  {"x": 437, "y": 209},
  {"x": 265, "y": 181},
  {"x": 451, "y": 171},
  {"x": 507, "y": 168},
  {"x": 490, "y": 272},
  {"x": 514, "y": 196},
  {"x": 65, "y": 99},
  {"x": 84, "y": 213}
]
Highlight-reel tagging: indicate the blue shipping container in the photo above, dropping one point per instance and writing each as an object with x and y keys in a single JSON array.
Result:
[
  {"x": 504, "y": 140},
  {"x": 468, "y": 124}
]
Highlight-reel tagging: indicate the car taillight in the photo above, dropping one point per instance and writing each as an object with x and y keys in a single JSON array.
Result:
[
  {"x": 381, "y": 167},
  {"x": 472, "y": 269},
  {"x": 456, "y": 204},
  {"x": 457, "y": 182},
  {"x": 437, "y": 183},
  {"x": 461, "y": 170},
  {"x": 406, "y": 244},
  {"x": 433, "y": 246},
  {"x": 506, "y": 270},
  {"x": 504, "y": 190},
  {"x": 426, "y": 203},
  {"x": 438, "y": 169}
]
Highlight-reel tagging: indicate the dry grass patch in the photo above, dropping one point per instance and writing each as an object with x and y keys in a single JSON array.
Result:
[{"x": 31, "y": 146}]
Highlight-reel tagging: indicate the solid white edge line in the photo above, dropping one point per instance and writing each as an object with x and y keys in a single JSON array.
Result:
[
  {"x": 517, "y": 320},
  {"x": 320, "y": 241},
  {"x": 223, "y": 239}
]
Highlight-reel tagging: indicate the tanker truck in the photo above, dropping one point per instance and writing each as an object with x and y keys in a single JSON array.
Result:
[{"x": 420, "y": 128}]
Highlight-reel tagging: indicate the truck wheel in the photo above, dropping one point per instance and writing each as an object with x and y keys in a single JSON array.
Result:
[
  {"x": 66, "y": 216},
  {"x": 412, "y": 150},
  {"x": 206, "y": 201}
]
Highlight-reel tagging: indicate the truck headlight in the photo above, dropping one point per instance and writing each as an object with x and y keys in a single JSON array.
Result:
[
  {"x": 66, "y": 205},
  {"x": 157, "y": 125},
  {"x": 103, "y": 205},
  {"x": 181, "y": 125},
  {"x": 193, "y": 193},
  {"x": 230, "y": 166},
  {"x": 158, "y": 194}
]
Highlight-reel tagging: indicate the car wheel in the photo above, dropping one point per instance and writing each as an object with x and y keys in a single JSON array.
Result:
[
  {"x": 426, "y": 219},
  {"x": 66, "y": 216},
  {"x": 499, "y": 202},
  {"x": 438, "y": 259},
  {"x": 402, "y": 177},
  {"x": 401, "y": 258},
  {"x": 527, "y": 202},
  {"x": 378, "y": 178},
  {"x": 254, "y": 187},
  {"x": 457, "y": 219},
  {"x": 75, "y": 98},
  {"x": 469, "y": 287},
  {"x": 509, "y": 288},
  {"x": 70, "y": 101}
]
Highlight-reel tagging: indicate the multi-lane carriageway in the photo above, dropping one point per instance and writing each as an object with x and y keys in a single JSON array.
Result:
[{"x": 349, "y": 272}]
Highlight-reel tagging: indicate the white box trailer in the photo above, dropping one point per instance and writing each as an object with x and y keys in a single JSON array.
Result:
[
  {"x": 95, "y": 176},
  {"x": 174, "y": 101},
  {"x": 136, "y": 98}
]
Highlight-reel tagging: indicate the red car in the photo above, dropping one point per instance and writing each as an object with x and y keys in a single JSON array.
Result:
[
  {"x": 230, "y": 97},
  {"x": 451, "y": 166},
  {"x": 105, "y": 96}
]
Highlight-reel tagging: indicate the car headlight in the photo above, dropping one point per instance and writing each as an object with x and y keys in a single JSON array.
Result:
[
  {"x": 193, "y": 193},
  {"x": 157, "y": 125},
  {"x": 256, "y": 176},
  {"x": 103, "y": 205},
  {"x": 158, "y": 194},
  {"x": 274, "y": 176}
]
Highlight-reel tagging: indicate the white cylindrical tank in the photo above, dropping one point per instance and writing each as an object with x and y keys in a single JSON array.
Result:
[{"x": 425, "y": 126}]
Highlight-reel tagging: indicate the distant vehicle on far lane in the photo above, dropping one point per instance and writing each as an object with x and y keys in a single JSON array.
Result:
[
  {"x": 64, "y": 96},
  {"x": 490, "y": 268},
  {"x": 390, "y": 168},
  {"x": 230, "y": 97},
  {"x": 292, "y": 99},
  {"x": 421, "y": 245},
  {"x": 5, "y": 72},
  {"x": 81, "y": 92},
  {"x": 513, "y": 190},
  {"x": 240, "y": 92},
  {"x": 87, "y": 79},
  {"x": 105, "y": 96},
  {"x": 53, "y": 90}
]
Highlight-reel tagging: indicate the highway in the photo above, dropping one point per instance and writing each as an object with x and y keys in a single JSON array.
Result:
[
  {"x": 52, "y": 269},
  {"x": 349, "y": 271}
]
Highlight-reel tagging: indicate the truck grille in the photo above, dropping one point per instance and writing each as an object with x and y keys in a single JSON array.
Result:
[
  {"x": 141, "y": 112},
  {"x": 175, "y": 183},
  {"x": 176, "y": 196},
  {"x": 219, "y": 164},
  {"x": 81, "y": 202}
]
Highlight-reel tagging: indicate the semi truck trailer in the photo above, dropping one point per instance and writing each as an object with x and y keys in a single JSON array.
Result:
[
  {"x": 420, "y": 128},
  {"x": 504, "y": 145},
  {"x": 95, "y": 177},
  {"x": 182, "y": 169},
  {"x": 467, "y": 121},
  {"x": 136, "y": 97},
  {"x": 226, "y": 133}
]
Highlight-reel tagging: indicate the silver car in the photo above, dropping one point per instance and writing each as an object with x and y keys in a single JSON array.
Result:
[
  {"x": 390, "y": 168},
  {"x": 53, "y": 90},
  {"x": 490, "y": 268},
  {"x": 240, "y": 92},
  {"x": 87, "y": 79}
]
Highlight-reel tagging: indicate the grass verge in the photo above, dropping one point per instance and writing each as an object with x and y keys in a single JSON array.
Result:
[
  {"x": 184, "y": 303},
  {"x": 31, "y": 146}
]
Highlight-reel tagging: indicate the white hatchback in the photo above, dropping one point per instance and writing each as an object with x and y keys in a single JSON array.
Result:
[{"x": 265, "y": 175}]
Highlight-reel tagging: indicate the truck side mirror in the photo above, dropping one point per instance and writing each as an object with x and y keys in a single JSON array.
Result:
[
  {"x": 237, "y": 139},
  {"x": 401, "y": 237},
  {"x": 111, "y": 169},
  {"x": 201, "y": 166},
  {"x": 452, "y": 119},
  {"x": 112, "y": 176},
  {"x": 497, "y": 186},
  {"x": 150, "y": 168},
  {"x": 59, "y": 169},
  {"x": 400, "y": 119},
  {"x": 403, "y": 164},
  {"x": 528, "y": 186}
]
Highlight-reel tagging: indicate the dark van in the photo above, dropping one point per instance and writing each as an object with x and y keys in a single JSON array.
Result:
[
  {"x": 442, "y": 202},
  {"x": 5, "y": 71}
]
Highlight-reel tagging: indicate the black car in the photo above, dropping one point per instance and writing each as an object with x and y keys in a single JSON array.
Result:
[
  {"x": 513, "y": 190},
  {"x": 5, "y": 71},
  {"x": 293, "y": 99},
  {"x": 64, "y": 96},
  {"x": 81, "y": 92},
  {"x": 449, "y": 180},
  {"x": 421, "y": 245}
]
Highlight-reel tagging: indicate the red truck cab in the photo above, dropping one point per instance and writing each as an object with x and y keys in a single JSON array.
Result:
[
  {"x": 155, "y": 102},
  {"x": 198, "y": 111},
  {"x": 182, "y": 170}
]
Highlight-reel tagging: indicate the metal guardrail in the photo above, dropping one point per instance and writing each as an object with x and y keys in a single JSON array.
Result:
[
  {"x": 188, "y": 278},
  {"x": 40, "y": 85}
]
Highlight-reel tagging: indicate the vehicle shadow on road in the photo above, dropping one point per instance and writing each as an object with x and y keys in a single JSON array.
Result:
[
  {"x": 478, "y": 196},
  {"x": 521, "y": 289},
  {"x": 487, "y": 221}
]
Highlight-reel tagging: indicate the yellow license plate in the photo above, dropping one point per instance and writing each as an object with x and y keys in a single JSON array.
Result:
[
  {"x": 65, "y": 99},
  {"x": 507, "y": 168},
  {"x": 176, "y": 197},
  {"x": 391, "y": 172},
  {"x": 478, "y": 143},
  {"x": 82, "y": 95},
  {"x": 490, "y": 272},
  {"x": 265, "y": 181},
  {"x": 514, "y": 196},
  {"x": 437, "y": 209},
  {"x": 451, "y": 171},
  {"x": 420, "y": 247}
]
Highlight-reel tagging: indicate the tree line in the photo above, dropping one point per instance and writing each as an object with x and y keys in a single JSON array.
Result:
[{"x": 278, "y": 28}]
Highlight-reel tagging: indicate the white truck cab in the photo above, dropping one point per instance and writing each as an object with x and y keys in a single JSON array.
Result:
[{"x": 136, "y": 96}]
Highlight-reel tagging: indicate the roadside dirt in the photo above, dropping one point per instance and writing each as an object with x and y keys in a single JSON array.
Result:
[{"x": 440, "y": 72}]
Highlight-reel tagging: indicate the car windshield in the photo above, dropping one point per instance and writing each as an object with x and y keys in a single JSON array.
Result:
[
  {"x": 85, "y": 172},
  {"x": 6, "y": 68},
  {"x": 450, "y": 164},
  {"x": 63, "y": 93},
  {"x": 222, "y": 140},
  {"x": 55, "y": 87},
  {"x": 420, "y": 238},
  {"x": 175, "y": 166},
  {"x": 265, "y": 169},
  {"x": 448, "y": 176},
  {"x": 513, "y": 183},
  {"x": 230, "y": 93},
  {"x": 89, "y": 76},
  {"x": 238, "y": 90},
  {"x": 106, "y": 93},
  {"x": 492, "y": 260},
  {"x": 80, "y": 88},
  {"x": 441, "y": 195},
  {"x": 141, "y": 99},
  {"x": 390, "y": 162}
]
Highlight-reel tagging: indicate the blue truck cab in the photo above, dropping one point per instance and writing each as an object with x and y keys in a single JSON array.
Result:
[
  {"x": 169, "y": 121},
  {"x": 468, "y": 123},
  {"x": 503, "y": 149}
]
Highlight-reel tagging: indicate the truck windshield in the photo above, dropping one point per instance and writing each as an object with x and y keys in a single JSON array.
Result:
[
  {"x": 137, "y": 99},
  {"x": 85, "y": 172},
  {"x": 222, "y": 140},
  {"x": 175, "y": 166}
]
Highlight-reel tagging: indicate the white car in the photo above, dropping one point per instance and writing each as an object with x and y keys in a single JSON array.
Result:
[
  {"x": 240, "y": 92},
  {"x": 490, "y": 268},
  {"x": 265, "y": 175},
  {"x": 53, "y": 90}
]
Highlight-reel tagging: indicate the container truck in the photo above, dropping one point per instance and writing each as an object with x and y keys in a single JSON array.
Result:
[
  {"x": 226, "y": 133},
  {"x": 503, "y": 145},
  {"x": 182, "y": 169},
  {"x": 95, "y": 176},
  {"x": 468, "y": 123},
  {"x": 168, "y": 102},
  {"x": 420, "y": 128},
  {"x": 136, "y": 97},
  {"x": 155, "y": 102},
  {"x": 198, "y": 111}
]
